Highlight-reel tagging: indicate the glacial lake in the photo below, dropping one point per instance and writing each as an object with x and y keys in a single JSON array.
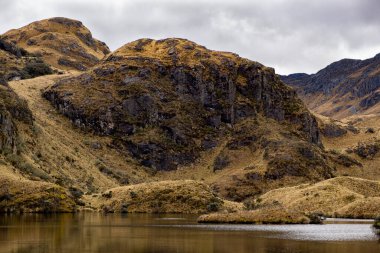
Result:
[{"x": 93, "y": 232}]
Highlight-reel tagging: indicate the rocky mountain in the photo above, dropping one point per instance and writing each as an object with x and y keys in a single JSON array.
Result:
[
  {"x": 62, "y": 43},
  {"x": 344, "y": 88},
  {"x": 172, "y": 104},
  {"x": 163, "y": 125}
]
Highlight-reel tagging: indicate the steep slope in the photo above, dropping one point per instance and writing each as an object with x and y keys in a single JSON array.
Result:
[
  {"x": 17, "y": 193},
  {"x": 13, "y": 112},
  {"x": 172, "y": 104},
  {"x": 55, "y": 152},
  {"x": 344, "y": 88},
  {"x": 61, "y": 42}
]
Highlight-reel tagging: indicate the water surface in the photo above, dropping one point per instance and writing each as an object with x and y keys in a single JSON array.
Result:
[{"x": 92, "y": 232}]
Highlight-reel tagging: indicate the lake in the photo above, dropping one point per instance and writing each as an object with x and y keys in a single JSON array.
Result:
[{"x": 93, "y": 232}]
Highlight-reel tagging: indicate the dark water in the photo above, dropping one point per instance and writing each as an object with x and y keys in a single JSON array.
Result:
[{"x": 86, "y": 232}]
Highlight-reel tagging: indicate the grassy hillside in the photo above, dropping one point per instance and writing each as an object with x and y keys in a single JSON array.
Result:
[
  {"x": 337, "y": 197},
  {"x": 62, "y": 43}
]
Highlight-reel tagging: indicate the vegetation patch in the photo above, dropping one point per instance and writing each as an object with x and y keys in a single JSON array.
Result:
[
  {"x": 338, "y": 197},
  {"x": 183, "y": 196},
  {"x": 275, "y": 214},
  {"x": 20, "y": 195}
]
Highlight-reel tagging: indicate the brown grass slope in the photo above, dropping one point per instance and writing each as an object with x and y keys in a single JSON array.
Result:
[
  {"x": 63, "y": 43},
  {"x": 181, "y": 196},
  {"x": 337, "y": 197},
  {"x": 355, "y": 144}
]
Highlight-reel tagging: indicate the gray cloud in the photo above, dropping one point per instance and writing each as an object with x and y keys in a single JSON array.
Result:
[{"x": 290, "y": 35}]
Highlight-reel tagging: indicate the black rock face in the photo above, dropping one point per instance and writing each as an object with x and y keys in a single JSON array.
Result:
[{"x": 12, "y": 49}]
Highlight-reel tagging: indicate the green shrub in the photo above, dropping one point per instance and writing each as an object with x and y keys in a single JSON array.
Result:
[
  {"x": 316, "y": 218},
  {"x": 35, "y": 68},
  {"x": 213, "y": 207}
]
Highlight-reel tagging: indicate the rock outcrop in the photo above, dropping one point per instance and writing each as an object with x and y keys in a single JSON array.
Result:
[
  {"x": 167, "y": 102},
  {"x": 12, "y": 110},
  {"x": 62, "y": 43},
  {"x": 342, "y": 89}
]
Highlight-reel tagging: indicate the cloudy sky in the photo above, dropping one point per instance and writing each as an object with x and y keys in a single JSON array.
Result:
[{"x": 289, "y": 35}]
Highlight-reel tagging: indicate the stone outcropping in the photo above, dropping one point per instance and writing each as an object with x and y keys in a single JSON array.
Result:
[
  {"x": 167, "y": 102},
  {"x": 12, "y": 110}
]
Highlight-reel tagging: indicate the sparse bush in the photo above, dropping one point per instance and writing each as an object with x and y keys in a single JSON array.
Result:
[
  {"x": 14, "y": 159},
  {"x": 351, "y": 198},
  {"x": 35, "y": 68},
  {"x": 367, "y": 150},
  {"x": 133, "y": 194},
  {"x": 249, "y": 205},
  {"x": 316, "y": 218},
  {"x": 120, "y": 177},
  {"x": 221, "y": 162},
  {"x": 213, "y": 207},
  {"x": 75, "y": 192},
  {"x": 107, "y": 195},
  {"x": 370, "y": 130}
]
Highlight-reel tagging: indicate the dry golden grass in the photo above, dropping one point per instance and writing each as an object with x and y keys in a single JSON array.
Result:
[
  {"x": 182, "y": 196},
  {"x": 341, "y": 196},
  {"x": 268, "y": 215},
  {"x": 370, "y": 167},
  {"x": 65, "y": 153}
]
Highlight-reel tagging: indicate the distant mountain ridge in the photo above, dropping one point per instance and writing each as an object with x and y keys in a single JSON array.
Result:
[{"x": 344, "y": 88}]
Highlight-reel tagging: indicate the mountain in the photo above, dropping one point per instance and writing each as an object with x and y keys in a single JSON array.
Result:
[
  {"x": 159, "y": 125},
  {"x": 344, "y": 88},
  {"x": 172, "y": 104},
  {"x": 61, "y": 42}
]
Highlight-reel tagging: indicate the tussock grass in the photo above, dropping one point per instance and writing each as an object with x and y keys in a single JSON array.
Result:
[
  {"x": 22, "y": 195},
  {"x": 337, "y": 197},
  {"x": 182, "y": 196}
]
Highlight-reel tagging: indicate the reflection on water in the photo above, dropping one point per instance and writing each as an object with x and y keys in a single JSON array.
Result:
[{"x": 86, "y": 232}]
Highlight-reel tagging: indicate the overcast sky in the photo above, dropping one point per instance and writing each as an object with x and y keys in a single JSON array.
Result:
[{"x": 289, "y": 35}]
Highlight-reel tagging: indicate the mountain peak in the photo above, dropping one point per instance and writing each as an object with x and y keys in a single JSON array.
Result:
[{"x": 63, "y": 43}]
